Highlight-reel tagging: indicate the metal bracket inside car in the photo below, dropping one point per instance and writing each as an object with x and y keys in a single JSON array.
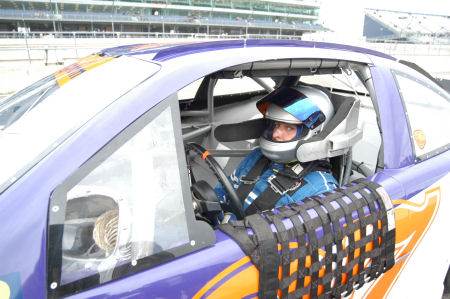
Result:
[{"x": 328, "y": 244}]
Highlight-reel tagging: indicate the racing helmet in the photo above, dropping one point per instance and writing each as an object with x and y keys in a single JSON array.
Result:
[{"x": 309, "y": 108}]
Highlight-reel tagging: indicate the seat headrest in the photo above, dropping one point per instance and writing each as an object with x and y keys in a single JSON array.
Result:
[
  {"x": 335, "y": 139},
  {"x": 337, "y": 136},
  {"x": 250, "y": 129}
]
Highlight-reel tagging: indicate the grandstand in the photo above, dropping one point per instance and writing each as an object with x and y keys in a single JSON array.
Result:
[
  {"x": 211, "y": 17},
  {"x": 385, "y": 25}
]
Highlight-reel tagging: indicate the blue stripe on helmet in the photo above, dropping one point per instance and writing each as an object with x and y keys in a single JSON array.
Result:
[
  {"x": 295, "y": 103},
  {"x": 304, "y": 110}
]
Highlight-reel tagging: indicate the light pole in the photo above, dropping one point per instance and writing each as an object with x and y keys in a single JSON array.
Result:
[
  {"x": 53, "y": 16},
  {"x": 25, "y": 33},
  {"x": 112, "y": 17},
  {"x": 247, "y": 23}
]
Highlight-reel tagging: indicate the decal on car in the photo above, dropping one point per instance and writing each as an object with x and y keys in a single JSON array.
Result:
[
  {"x": 69, "y": 72},
  {"x": 420, "y": 139},
  {"x": 415, "y": 218},
  {"x": 5, "y": 291},
  {"x": 10, "y": 286},
  {"x": 240, "y": 276}
]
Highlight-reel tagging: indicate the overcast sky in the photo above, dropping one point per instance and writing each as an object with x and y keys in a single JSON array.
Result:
[{"x": 346, "y": 17}]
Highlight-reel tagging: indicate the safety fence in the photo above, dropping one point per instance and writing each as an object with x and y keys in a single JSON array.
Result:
[
  {"x": 25, "y": 55},
  {"x": 39, "y": 46}
]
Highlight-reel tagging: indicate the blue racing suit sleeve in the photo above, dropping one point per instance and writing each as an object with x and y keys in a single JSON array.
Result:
[
  {"x": 317, "y": 182},
  {"x": 235, "y": 178}
]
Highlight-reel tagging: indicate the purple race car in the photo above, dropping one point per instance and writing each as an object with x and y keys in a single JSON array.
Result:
[{"x": 107, "y": 170}]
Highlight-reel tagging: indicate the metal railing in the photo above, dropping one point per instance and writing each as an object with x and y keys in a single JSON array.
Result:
[
  {"x": 57, "y": 47},
  {"x": 107, "y": 17},
  {"x": 115, "y": 35}
]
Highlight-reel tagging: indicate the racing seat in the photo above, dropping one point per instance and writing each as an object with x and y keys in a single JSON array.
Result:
[{"x": 334, "y": 141}]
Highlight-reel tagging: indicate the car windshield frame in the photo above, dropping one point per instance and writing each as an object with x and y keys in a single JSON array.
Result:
[{"x": 32, "y": 135}]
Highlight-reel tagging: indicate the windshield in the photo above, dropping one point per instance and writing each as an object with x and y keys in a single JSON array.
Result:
[{"x": 37, "y": 119}]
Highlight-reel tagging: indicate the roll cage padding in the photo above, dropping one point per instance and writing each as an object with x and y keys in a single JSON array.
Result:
[
  {"x": 340, "y": 133},
  {"x": 335, "y": 139},
  {"x": 250, "y": 129},
  {"x": 324, "y": 246}
]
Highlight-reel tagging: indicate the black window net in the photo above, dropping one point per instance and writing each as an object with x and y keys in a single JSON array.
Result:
[{"x": 325, "y": 246}]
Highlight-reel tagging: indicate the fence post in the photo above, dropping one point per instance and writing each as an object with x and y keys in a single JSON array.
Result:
[
  {"x": 28, "y": 48},
  {"x": 75, "y": 42}
]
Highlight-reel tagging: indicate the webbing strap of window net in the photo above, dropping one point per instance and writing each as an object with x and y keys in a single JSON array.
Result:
[{"x": 325, "y": 246}]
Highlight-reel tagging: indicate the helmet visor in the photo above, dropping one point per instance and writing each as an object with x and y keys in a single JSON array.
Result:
[
  {"x": 302, "y": 131},
  {"x": 295, "y": 103}
]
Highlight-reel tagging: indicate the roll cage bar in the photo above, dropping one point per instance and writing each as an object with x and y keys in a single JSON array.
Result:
[{"x": 285, "y": 73}]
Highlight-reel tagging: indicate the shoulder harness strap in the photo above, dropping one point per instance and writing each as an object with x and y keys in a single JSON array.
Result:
[
  {"x": 249, "y": 180},
  {"x": 288, "y": 180}
]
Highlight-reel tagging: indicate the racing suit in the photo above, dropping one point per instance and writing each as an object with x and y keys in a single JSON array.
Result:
[{"x": 317, "y": 183}]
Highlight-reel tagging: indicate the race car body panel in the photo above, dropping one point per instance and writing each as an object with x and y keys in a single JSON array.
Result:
[{"x": 109, "y": 135}]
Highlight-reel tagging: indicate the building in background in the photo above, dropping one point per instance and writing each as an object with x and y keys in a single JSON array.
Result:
[
  {"x": 211, "y": 17},
  {"x": 386, "y": 25}
]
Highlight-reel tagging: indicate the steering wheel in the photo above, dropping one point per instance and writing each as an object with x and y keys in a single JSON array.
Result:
[{"x": 235, "y": 203}]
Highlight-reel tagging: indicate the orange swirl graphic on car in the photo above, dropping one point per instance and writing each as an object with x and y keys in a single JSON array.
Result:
[
  {"x": 69, "y": 72},
  {"x": 412, "y": 223},
  {"x": 247, "y": 277},
  {"x": 240, "y": 279},
  {"x": 413, "y": 219}
]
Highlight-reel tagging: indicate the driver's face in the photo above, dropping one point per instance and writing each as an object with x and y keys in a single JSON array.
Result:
[{"x": 284, "y": 132}]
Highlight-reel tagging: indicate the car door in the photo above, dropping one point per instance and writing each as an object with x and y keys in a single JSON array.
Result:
[
  {"x": 127, "y": 210},
  {"x": 414, "y": 115}
]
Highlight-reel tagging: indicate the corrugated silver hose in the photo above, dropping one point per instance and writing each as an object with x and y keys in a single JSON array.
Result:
[{"x": 105, "y": 230}]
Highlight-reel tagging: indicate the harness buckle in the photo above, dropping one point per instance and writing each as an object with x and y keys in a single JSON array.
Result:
[
  {"x": 245, "y": 180},
  {"x": 280, "y": 189},
  {"x": 274, "y": 186}
]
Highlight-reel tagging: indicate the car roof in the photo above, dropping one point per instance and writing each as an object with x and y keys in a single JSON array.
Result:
[{"x": 167, "y": 51}]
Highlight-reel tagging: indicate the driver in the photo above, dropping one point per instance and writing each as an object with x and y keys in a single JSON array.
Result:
[{"x": 271, "y": 175}]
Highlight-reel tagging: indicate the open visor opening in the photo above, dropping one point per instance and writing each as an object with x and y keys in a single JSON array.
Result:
[{"x": 302, "y": 131}]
